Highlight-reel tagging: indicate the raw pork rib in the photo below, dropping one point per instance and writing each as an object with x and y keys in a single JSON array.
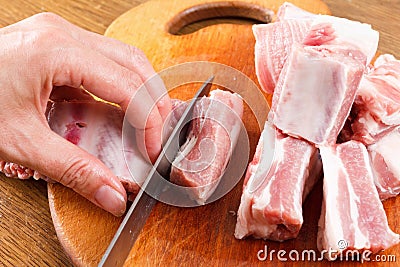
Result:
[
  {"x": 384, "y": 156},
  {"x": 289, "y": 11},
  {"x": 273, "y": 43},
  {"x": 316, "y": 91},
  {"x": 329, "y": 30},
  {"x": 352, "y": 216},
  {"x": 212, "y": 136},
  {"x": 97, "y": 128},
  {"x": 282, "y": 173},
  {"x": 14, "y": 170},
  {"x": 377, "y": 105}
]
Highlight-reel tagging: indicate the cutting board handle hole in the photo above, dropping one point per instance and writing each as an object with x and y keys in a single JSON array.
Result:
[{"x": 200, "y": 16}]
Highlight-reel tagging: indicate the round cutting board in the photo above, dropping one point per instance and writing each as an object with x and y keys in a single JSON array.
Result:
[{"x": 200, "y": 236}]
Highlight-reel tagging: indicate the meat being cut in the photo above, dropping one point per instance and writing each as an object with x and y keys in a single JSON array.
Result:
[
  {"x": 212, "y": 136},
  {"x": 321, "y": 82},
  {"x": 352, "y": 216},
  {"x": 283, "y": 171},
  {"x": 96, "y": 127},
  {"x": 385, "y": 165}
]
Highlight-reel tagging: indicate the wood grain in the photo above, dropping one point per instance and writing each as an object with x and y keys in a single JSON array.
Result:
[{"x": 27, "y": 236}]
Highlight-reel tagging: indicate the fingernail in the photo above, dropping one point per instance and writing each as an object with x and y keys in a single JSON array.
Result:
[{"x": 110, "y": 200}]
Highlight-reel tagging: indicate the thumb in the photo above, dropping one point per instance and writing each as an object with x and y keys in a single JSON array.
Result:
[{"x": 73, "y": 167}]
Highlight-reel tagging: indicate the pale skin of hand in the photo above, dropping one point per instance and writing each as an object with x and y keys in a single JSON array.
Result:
[{"x": 45, "y": 51}]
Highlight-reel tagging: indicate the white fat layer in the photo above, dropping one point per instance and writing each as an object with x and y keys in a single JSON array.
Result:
[
  {"x": 251, "y": 219},
  {"x": 268, "y": 151},
  {"x": 251, "y": 222},
  {"x": 263, "y": 200},
  {"x": 360, "y": 35},
  {"x": 187, "y": 147},
  {"x": 333, "y": 227}
]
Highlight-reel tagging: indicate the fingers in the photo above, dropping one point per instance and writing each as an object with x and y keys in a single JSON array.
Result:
[
  {"x": 112, "y": 82},
  {"x": 109, "y": 69},
  {"x": 75, "y": 168},
  {"x": 125, "y": 55}
]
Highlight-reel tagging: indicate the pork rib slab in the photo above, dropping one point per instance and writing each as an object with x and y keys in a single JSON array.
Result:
[
  {"x": 352, "y": 213},
  {"x": 212, "y": 136},
  {"x": 315, "y": 92},
  {"x": 283, "y": 171}
]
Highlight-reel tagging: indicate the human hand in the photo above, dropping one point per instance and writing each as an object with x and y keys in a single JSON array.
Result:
[{"x": 46, "y": 51}]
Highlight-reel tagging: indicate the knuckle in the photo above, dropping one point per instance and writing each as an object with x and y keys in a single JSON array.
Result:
[
  {"x": 137, "y": 55},
  {"x": 47, "y": 18},
  {"x": 77, "y": 174},
  {"x": 44, "y": 38}
]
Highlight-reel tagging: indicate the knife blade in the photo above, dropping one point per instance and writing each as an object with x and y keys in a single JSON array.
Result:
[{"x": 135, "y": 218}]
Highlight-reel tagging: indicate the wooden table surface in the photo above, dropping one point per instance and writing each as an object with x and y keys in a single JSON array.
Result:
[{"x": 27, "y": 236}]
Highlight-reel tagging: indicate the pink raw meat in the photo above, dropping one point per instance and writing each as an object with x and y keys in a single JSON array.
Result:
[
  {"x": 212, "y": 136},
  {"x": 352, "y": 216},
  {"x": 362, "y": 126},
  {"x": 273, "y": 43},
  {"x": 14, "y": 170},
  {"x": 289, "y": 11},
  {"x": 377, "y": 105},
  {"x": 282, "y": 173},
  {"x": 97, "y": 128},
  {"x": 330, "y": 30},
  {"x": 384, "y": 156},
  {"x": 315, "y": 92}
]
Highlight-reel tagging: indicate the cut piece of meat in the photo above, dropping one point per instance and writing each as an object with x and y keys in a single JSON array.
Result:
[
  {"x": 376, "y": 108},
  {"x": 14, "y": 170},
  {"x": 97, "y": 128},
  {"x": 296, "y": 26},
  {"x": 352, "y": 216},
  {"x": 384, "y": 156},
  {"x": 212, "y": 136},
  {"x": 364, "y": 127},
  {"x": 330, "y": 30},
  {"x": 289, "y": 11},
  {"x": 283, "y": 171},
  {"x": 273, "y": 44},
  {"x": 380, "y": 92},
  {"x": 315, "y": 92}
]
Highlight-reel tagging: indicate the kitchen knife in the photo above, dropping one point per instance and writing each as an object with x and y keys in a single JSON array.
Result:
[{"x": 139, "y": 211}]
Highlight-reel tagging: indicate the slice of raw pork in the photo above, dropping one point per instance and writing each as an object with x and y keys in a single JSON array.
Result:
[
  {"x": 212, "y": 137},
  {"x": 283, "y": 171},
  {"x": 316, "y": 90},
  {"x": 377, "y": 105},
  {"x": 384, "y": 156},
  {"x": 352, "y": 216}
]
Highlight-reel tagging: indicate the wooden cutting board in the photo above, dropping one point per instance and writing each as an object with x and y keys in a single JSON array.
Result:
[{"x": 200, "y": 236}]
